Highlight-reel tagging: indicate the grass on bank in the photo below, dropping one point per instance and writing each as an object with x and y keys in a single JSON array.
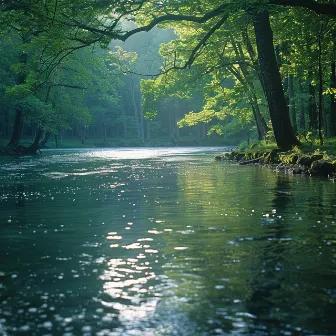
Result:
[{"x": 311, "y": 145}]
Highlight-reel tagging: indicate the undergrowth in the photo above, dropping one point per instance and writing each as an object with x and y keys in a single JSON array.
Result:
[{"x": 311, "y": 145}]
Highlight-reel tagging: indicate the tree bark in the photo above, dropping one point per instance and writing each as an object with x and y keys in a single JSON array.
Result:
[{"x": 283, "y": 131}]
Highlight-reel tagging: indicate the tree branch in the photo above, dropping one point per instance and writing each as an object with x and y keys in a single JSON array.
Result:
[
  {"x": 319, "y": 8},
  {"x": 69, "y": 86}
]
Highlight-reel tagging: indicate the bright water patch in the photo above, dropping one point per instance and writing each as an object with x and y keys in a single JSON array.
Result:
[{"x": 163, "y": 242}]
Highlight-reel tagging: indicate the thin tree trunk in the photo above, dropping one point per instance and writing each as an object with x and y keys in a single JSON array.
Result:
[
  {"x": 38, "y": 136},
  {"x": 19, "y": 115},
  {"x": 312, "y": 108},
  {"x": 302, "y": 121},
  {"x": 137, "y": 116},
  {"x": 45, "y": 140},
  {"x": 320, "y": 107},
  {"x": 291, "y": 97},
  {"x": 82, "y": 134},
  {"x": 148, "y": 128},
  {"x": 254, "y": 59},
  {"x": 283, "y": 131},
  {"x": 123, "y": 114},
  {"x": 253, "y": 100},
  {"x": 6, "y": 126},
  {"x": 332, "y": 115},
  {"x": 36, "y": 144},
  {"x": 18, "y": 126}
]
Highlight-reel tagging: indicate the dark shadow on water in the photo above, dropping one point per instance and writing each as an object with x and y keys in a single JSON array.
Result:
[{"x": 268, "y": 284}]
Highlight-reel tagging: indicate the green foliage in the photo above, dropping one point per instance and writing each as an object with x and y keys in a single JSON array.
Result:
[{"x": 54, "y": 67}]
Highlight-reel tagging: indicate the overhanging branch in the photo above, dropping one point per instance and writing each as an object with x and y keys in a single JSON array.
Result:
[{"x": 319, "y": 8}]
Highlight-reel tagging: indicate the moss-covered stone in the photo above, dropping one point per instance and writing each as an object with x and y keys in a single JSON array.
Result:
[
  {"x": 291, "y": 162},
  {"x": 322, "y": 168},
  {"x": 307, "y": 160},
  {"x": 239, "y": 156}
]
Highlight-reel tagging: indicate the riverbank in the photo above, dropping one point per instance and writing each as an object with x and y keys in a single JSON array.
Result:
[
  {"x": 292, "y": 162},
  {"x": 25, "y": 146}
]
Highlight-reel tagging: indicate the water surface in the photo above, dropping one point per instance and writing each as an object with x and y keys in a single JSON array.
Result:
[{"x": 163, "y": 242}]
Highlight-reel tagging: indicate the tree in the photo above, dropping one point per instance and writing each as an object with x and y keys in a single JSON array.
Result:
[{"x": 86, "y": 22}]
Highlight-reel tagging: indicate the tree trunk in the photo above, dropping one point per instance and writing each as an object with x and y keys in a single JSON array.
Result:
[
  {"x": 123, "y": 114},
  {"x": 243, "y": 77},
  {"x": 320, "y": 107},
  {"x": 291, "y": 97},
  {"x": 103, "y": 128},
  {"x": 148, "y": 128},
  {"x": 312, "y": 108},
  {"x": 137, "y": 114},
  {"x": 18, "y": 126},
  {"x": 332, "y": 115},
  {"x": 45, "y": 140},
  {"x": 56, "y": 140},
  {"x": 302, "y": 121},
  {"x": 7, "y": 124},
  {"x": 175, "y": 131},
  {"x": 19, "y": 117},
  {"x": 254, "y": 59},
  {"x": 61, "y": 133},
  {"x": 34, "y": 147},
  {"x": 283, "y": 131},
  {"x": 82, "y": 134}
]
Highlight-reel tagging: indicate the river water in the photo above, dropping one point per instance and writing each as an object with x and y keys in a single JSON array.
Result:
[{"x": 163, "y": 242}]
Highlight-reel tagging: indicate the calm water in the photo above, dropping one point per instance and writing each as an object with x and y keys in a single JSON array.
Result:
[{"x": 163, "y": 242}]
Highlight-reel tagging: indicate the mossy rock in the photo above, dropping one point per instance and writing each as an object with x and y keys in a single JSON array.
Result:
[
  {"x": 239, "y": 156},
  {"x": 307, "y": 160},
  {"x": 316, "y": 157},
  {"x": 322, "y": 168}
]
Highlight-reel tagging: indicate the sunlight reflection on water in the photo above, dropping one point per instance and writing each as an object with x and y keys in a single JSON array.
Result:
[{"x": 163, "y": 242}]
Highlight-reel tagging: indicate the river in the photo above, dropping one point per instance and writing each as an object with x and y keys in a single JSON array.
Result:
[{"x": 163, "y": 241}]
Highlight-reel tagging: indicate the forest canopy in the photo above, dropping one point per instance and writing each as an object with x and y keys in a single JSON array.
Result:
[{"x": 258, "y": 67}]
